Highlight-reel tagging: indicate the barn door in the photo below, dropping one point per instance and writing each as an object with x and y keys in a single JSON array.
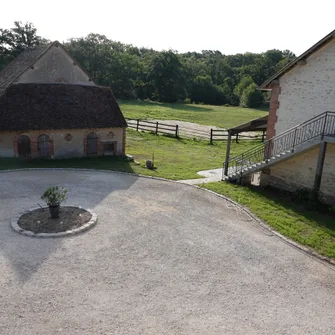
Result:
[
  {"x": 92, "y": 143},
  {"x": 23, "y": 146},
  {"x": 44, "y": 146}
]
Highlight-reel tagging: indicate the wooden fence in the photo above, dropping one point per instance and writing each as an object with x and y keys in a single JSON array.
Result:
[
  {"x": 154, "y": 127},
  {"x": 222, "y": 135},
  {"x": 176, "y": 131}
]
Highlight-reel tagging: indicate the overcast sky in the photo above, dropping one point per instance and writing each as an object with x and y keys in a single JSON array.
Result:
[{"x": 183, "y": 25}]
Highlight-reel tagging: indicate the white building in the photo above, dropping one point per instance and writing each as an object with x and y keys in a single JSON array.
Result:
[{"x": 300, "y": 149}]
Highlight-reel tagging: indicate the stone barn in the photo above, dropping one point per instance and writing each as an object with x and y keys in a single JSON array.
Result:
[{"x": 50, "y": 108}]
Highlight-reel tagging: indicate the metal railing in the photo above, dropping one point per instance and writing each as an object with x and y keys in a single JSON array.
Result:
[{"x": 319, "y": 126}]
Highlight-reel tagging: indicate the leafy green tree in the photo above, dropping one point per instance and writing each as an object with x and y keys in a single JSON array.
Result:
[
  {"x": 251, "y": 97},
  {"x": 208, "y": 76},
  {"x": 203, "y": 90},
  {"x": 15, "y": 40},
  {"x": 108, "y": 63},
  {"x": 166, "y": 77},
  {"x": 242, "y": 85}
]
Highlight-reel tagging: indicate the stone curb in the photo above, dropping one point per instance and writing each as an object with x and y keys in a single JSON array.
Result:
[
  {"x": 90, "y": 224},
  {"x": 299, "y": 247}
]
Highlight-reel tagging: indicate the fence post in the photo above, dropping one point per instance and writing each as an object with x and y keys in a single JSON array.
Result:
[
  {"x": 137, "y": 124},
  {"x": 177, "y": 131},
  {"x": 211, "y": 138},
  {"x": 156, "y": 128},
  {"x": 263, "y": 136},
  {"x": 236, "y": 138}
]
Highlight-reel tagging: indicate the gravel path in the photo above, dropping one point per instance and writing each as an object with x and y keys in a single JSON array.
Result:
[
  {"x": 191, "y": 129},
  {"x": 165, "y": 258}
]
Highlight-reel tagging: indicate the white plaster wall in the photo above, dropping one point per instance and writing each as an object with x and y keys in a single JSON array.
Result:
[
  {"x": 328, "y": 178},
  {"x": 62, "y": 148},
  {"x": 299, "y": 172},
  {"x": 118, "y": 136},
  {"x": 56, "y": 66},
  {"x": 307, "y": 90},
  {"x": 68, "y": 149},
  {"x": 6, "y": 144}
]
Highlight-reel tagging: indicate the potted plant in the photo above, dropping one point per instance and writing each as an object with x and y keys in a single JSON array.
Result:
[{"x": 53, "y": 197}]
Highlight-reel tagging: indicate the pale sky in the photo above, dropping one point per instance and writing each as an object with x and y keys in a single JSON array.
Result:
[{"x": 184, "y": 25}]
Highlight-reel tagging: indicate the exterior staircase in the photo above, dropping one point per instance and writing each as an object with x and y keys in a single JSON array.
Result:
[{"x": 296, "y": 140}]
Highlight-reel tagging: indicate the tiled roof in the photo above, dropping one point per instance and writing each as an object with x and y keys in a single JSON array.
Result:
[
  {"x": 21, "y": 63},
  {"x": 58, "y": 106}
]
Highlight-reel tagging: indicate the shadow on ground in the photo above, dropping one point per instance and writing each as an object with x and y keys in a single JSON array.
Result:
[
  {"x": 21, "y": 190},
  {"x": 177, "y": 106},
  {"x": 104, "y": 163}
]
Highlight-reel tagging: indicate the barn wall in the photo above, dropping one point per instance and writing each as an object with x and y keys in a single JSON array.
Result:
[
  {"x": 61, "y": 147},
  {"x": 6, "y": 144},
  {"x": 56, "y": 66}
]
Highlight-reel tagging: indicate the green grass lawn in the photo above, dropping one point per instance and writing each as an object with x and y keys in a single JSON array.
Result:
[
  {"x": 181, "y": 159},
  {"x": 219, "y": 116},
  {"x": 174, "y": 158},
  {"x": 311, "y": 228}
]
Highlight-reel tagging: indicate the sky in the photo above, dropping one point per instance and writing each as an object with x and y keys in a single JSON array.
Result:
[{"x": 183, "y": 25}]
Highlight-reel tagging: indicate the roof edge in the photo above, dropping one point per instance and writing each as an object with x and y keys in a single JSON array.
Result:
[
  {"x": 266, "y": 85},
  {"x": 47, "y": 48},
  {"x": 32, "y": 63},
  {"x": 76, "y": 61}
]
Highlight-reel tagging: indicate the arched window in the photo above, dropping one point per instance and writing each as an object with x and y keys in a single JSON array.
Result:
[
  {"x": 23, "y": 146},
  {"x": 92, "y": 144},
  {"x": 43, "y": 146}
]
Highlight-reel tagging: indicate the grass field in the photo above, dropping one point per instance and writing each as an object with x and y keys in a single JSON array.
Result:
[
  {"x": 174, "y": 159},
  {"x": 181, "y": 159},
  {"x": 224, "y": 117},
  {"x": 311, "y": 228}
]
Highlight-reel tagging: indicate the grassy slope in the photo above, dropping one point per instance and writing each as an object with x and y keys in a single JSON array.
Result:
[
  {"x": 220, "y": 116},
  {"x": 175, "y": 159},
  {"x": 311, "y": 228},
  {"x": 181, "y": 159}
]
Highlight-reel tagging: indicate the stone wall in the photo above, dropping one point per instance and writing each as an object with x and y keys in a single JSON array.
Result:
[
  {"x": 64, "y": 143},
  {"x": 56, "y": 66},
  {"x": 299, "y": 172}
]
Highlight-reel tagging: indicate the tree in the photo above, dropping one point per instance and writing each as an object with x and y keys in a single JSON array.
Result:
[
  {"x": 107, "y": 62},
  {"x": 15, "y": 40},
  {"x": 166, "y": 77},
  {"x": 242, "y": 85},
  {"x": 251, "y": 97},
  {"x": 208, "y": 76}
]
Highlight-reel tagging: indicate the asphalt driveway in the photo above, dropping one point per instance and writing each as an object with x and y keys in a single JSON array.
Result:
[{"x": 164, "y": 258}]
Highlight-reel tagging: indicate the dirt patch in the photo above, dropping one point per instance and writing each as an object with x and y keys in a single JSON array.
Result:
[
  {"x": 190, "y": 129},
  {"x": 39, "y": 221}
]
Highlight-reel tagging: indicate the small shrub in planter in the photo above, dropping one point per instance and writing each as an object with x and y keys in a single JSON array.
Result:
[{"x": 53, "y": 197}]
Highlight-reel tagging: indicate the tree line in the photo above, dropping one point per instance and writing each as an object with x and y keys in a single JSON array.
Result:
[{"x": 208, "y": 77}]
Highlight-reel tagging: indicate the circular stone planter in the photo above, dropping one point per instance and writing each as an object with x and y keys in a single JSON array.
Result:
[{"x": 25, "y": 223}]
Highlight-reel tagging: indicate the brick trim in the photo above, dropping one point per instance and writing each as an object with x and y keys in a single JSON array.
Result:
[
  {"x": 16, "y": 146},
  {"x": 274, "y": 105},
  {"x": 123, "y": 152},
  {"x": 52, "y": 148}
]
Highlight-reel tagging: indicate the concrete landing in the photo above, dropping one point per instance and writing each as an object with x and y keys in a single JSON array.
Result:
[{"x": 209, "y": 177}]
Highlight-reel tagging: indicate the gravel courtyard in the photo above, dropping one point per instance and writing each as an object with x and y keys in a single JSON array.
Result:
[{"x": 164, "y": 258}]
